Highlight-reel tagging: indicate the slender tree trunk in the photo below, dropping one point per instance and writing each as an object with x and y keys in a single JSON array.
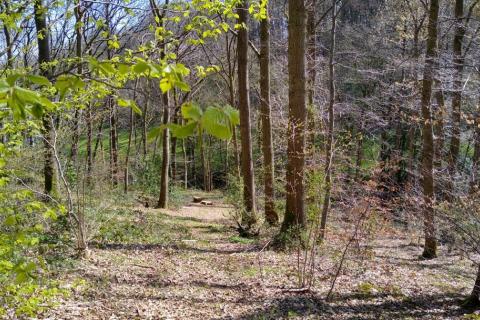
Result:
[
  {"x": 113, "y": 142},
  {"x": 185, "y": 164},
  {"x": 474, "y": 182},
  {"x": 89, "y": 121},
  {"x": 163, "y": 198},
  {"x": 245, "y": 126},
  {"x": 430, "y": 246},
  {"x": 75, "y": 136},
  {"x": 82, "y": 245},
  {"x": 144, "y": 121},
  {"x": 131, "y": 129},
  {"x": 294, "y": 209},
  {"x": 174, "y": 147},
  {"x": 359, "y": 154},
  {"x": 458, "y": 62},
  {"x": 43, "y": 38},
  {"x": 331, "y": 119},
  {"x": 99, "y": 138},
  {"x": 439, "y": 125},
  {"x": 231, "y": 87},
  {"x": 265, "y": 113},
  {"x": 311, "y": 72},
  {"x": 113, "y": 114}
]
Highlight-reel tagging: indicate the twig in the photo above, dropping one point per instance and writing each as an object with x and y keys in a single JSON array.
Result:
[{"x": 352, "y": 239}]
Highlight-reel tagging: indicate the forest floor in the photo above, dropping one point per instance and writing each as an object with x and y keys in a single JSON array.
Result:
[{"x": 203, "y": 270}]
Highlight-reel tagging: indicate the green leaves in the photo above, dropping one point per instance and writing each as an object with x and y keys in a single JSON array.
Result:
[
  {"x": 191, "y": 111},
  {"x": 216, "y": 121},
  {"x": 183, "y": 132},
  {"x": 129, "y": 104},
  {"x": 65, "y": 83}
]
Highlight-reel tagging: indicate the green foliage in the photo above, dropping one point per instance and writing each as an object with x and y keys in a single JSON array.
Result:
[
  {"x": 242, "y": 240},
  {"x": 215, "y": 120},
  {"x": 24, "y": 223}
]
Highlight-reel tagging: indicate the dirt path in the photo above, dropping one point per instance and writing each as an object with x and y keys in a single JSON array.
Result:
[{"x": 210, "y": 273}]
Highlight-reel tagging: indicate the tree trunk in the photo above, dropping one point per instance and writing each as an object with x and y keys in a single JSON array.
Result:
[
  {"x": 430, "y": 246},
  {"x": 99, "y": 138},
  {"x": 163, "y": 198},
  {"x": 131, "y": 129},
  {"x": 474, "y": 300},
  {"x": 43, "y": 38},
  {"x": 245, "y": 126},
  {"x": 174, "y": 148},
  {"x": 271, "y": 215},
  {"x": 331, "y": 119},
  {"x": 311, "y": 73},
  {"x": 89, "y": 120},
  {"x": 144, "y": 121},
  {"x": 295, "y": 211},
  {"x": 185, "y": 164},
  {"x": 113, "y": 142},
  {"x": 458, "y": 62},
  {"x": 474, "y": 182}
]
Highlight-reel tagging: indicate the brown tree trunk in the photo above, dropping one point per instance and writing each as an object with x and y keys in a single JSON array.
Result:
[
  {"x": 430, "y": 246},
  {"x": 43, "y": 38},
  {"x": 98, "y": 141},
  {"x": 231, "y": 88},
  {"x": 89, "y": 120},
  {"x": 458, "y": 62},
  {"x": 311, "y": 73},
  {"x": 131, "y": 129},
  {"x": 294, "y": 210},
  {"x": 173, "y": 151},
  {"x": 474, "y": 182},
  {"x": 113, "y": 142},
  {"x": 331, "y": 119},
  {"x": 185, "y": 164},
  {"x": 271, "y": 215},
  {"x": 163, "y": 198},
  {"x": 144, "y": 121},
  {"x": 245, "y": 126},
  {"x": 474, "y": 300}
]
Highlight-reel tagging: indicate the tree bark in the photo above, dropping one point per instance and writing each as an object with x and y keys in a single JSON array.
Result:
[
  {"x": 271, "y": 215},
  {"x": 458, "y": 62},
  {"x": 474, "y": 182},
  {"x": 163, "y": 198},
  {"x": 113, "y": 142},
  {"x": 474, "y": 299},
  {"x": 331, "y": 120},
  {"x": 245, "y": 126},
  {"x": 311, "y": 73},
  {"x": 430, "y": 246},
  {"x": 43, "y": 38},
  {"x": 295, "y": 211}
]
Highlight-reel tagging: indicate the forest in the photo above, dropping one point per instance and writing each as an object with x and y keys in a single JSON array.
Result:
[{"x": 240, "y": 159}]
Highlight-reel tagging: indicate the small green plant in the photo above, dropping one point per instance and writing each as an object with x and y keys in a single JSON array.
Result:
[
  {"x": 238, "y": 239},
  {"x": 366, "y": 289}
]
